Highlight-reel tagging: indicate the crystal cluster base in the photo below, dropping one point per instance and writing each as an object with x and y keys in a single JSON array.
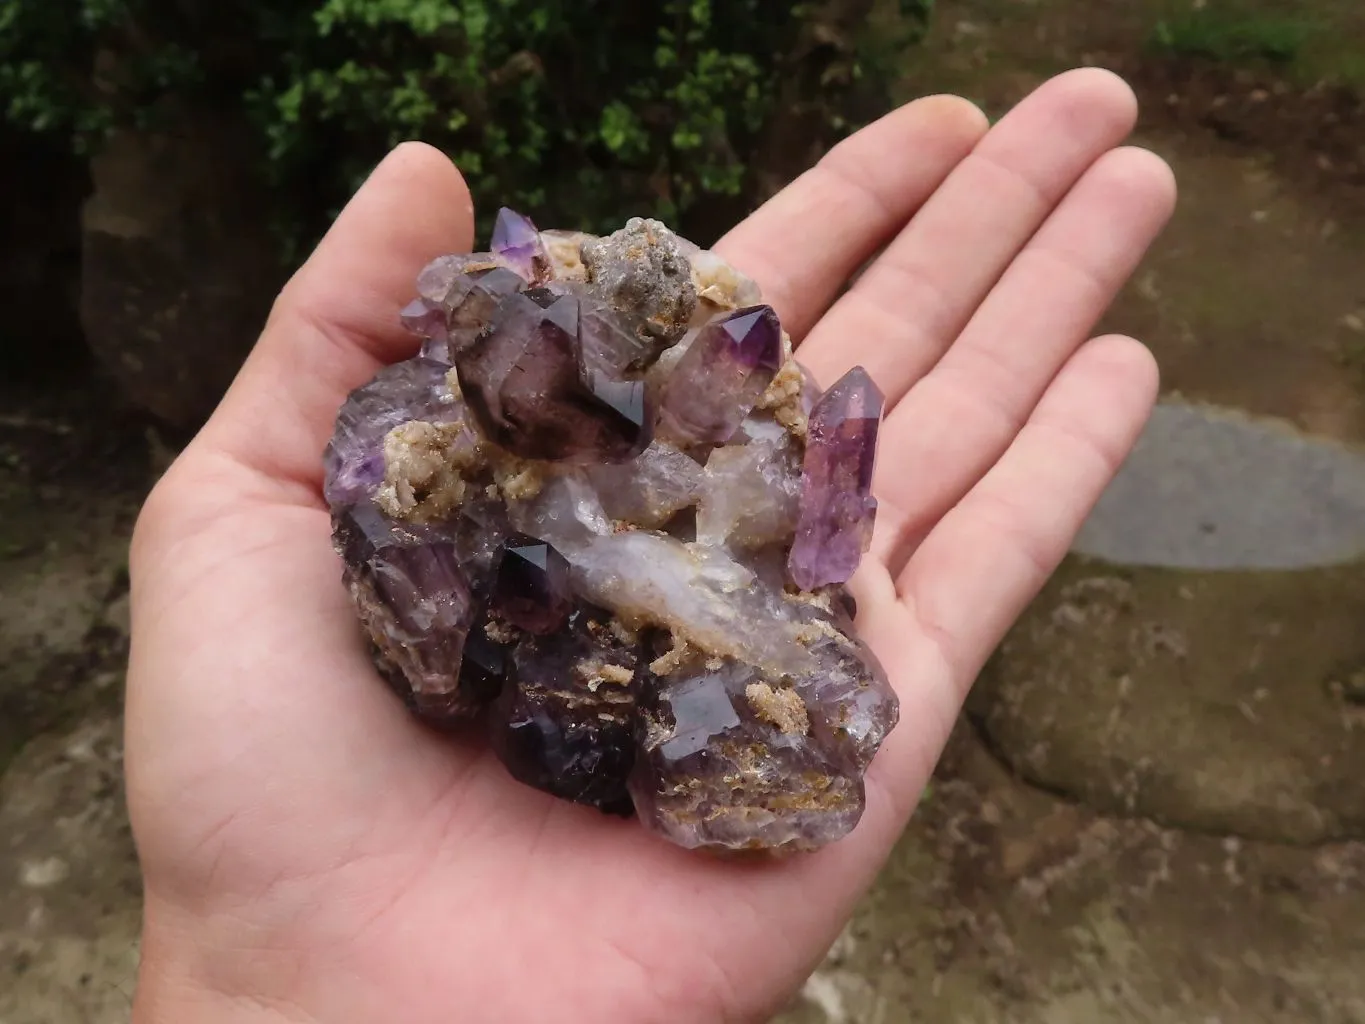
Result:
[{"x": 605, "y": 514}]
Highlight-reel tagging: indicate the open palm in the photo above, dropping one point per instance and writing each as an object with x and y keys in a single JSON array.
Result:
[{"x": 312, "y": 853}]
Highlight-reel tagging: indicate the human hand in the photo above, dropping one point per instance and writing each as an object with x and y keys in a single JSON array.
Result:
[{"x": 312, "y": 853}]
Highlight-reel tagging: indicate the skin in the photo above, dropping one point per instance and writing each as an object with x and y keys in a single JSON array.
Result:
[{"x": 312, "y": 854}]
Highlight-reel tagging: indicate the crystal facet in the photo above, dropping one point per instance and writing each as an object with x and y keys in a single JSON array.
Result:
[
  {"x": 646, "y": 625},
  {"x": 518, "y": 244},
  {"x": 749, "y": 494},
  {"x": 415, "y": 602},
  {"x": 763, "y": 782},
  {"x": 837, "y": 507},
  {"x": 565, "y": 722},
  {"x": 727, "y": 367},
  {"x": 532, "y": 587},
  {"x": 522, "y": 379}
]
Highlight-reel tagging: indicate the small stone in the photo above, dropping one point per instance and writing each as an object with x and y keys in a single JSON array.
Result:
[
  {"x": 720, "y": 377},
  {"x": 45, "y": 873},
  {"x": 642, "y": 272},
  {"x": 532, "y": 586},
  {"x": 837, "y": 508}
]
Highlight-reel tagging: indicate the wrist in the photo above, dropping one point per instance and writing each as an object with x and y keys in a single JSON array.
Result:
[{"x": 182, "y": 981}]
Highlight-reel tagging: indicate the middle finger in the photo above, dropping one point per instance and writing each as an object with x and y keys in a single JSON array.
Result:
[{"x": 915, "y": 298}]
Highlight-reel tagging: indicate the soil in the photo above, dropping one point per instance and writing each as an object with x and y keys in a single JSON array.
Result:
[{"x": 1025, "y": 891}]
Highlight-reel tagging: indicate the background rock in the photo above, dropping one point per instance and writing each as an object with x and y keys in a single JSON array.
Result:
[
  {"x": 1005, "y": 905},
  {"x": 178, "y": 267},
  {"x": 1216, "y": 702},
  {"x": 40, "y": 251},
  {"x": 70, "y": 919}
]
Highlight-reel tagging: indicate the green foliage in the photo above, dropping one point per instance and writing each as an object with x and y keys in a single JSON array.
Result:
[
  {"x": 1226, "y": 36},
  {"x": 576, "y": 110}
]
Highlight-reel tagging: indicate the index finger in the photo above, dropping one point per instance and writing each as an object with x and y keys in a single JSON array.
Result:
[
  {"x": 803, "y": 245},
  {"x": 336, "y": 321}
]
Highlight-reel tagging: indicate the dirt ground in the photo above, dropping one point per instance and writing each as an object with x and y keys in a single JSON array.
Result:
[{"x": 1022, "y": 893}]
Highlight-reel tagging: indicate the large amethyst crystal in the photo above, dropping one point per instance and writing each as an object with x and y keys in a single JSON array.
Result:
[{"x": 606, "y": 514}]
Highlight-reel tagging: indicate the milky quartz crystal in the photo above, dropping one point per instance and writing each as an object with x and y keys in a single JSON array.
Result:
[{"x": 605, "y": 516}]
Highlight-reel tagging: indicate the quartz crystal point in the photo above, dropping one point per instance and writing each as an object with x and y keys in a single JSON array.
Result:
[
  {"x": 720, "y": 377},
  {"x": 649, "y": 489},
  {"x": 727, "y": 761},
  {"x": 749, "y": 494},
  {"x": 565, "y": 721},
  {"x": 416, "y": 605},
  {"x": 837, "y": 507},
  {"x": 522, "y": 379},
  {"x": 532, "y": 587},
  {"x": 606, "y": 517},
  {"x": 518, "y": 244},
  {"x": 451, "y": 318}
]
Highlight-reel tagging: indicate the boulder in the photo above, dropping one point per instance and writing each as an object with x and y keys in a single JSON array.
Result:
[
  {"x": 1223, "y": 702},
  {"x": 178, "y": 265},
  {"x": 40, "y": 245}
]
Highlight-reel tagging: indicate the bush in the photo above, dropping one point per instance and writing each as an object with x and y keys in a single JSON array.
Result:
[
  {"x": 576, "y": 111},
  {"x": 1224, "y": 36}
]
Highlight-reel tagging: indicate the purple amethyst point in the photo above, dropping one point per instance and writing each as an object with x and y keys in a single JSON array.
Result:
[
  {"x": 566, "y": 720},
  {"x": 529, "y": 393},
  {"x": 532, "y": 587},
  {"x": 518, "y": 244},
  {"x": 721, "y": 376},
  {"x": 416, "y": 604},
  {"x": 837, "y": 510}
]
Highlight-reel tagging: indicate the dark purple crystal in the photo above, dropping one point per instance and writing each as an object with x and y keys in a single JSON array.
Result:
[
  {"x": 713, "y": 772},
  {"x": 729, "y": 364},
  {"x": 531, "y": 590},
  {"x": 415, "y": 602},
  {"x": 483, "y": 669},
  {"x": 353, "y": 464},
  {"x": 837, "y": 509},
  {"x": 522, "y": 380},
  {"x": 517, "y": 243},
  {"x": 565, "y": 722}
]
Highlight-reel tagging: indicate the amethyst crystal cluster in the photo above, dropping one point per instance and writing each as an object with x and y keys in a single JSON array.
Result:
[{"x": 605, "y": 513}]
